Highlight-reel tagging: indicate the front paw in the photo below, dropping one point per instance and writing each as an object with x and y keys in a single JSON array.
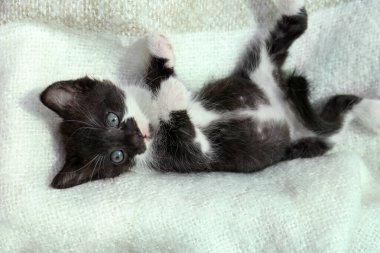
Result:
[
  {"x": 291, "y": 7},
  {"x": 160, "y": 47},
  {"x": 173, "y": 96}
]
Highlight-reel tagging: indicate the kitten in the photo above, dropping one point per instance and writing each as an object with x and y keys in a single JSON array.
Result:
[{"x": 255, "y": 117}]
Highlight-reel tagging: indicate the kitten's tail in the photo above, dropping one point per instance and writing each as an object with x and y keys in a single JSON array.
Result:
[{"x": 336, "y": 114}]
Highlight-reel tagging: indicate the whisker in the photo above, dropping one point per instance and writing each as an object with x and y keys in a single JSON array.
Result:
[
  {"x": 83, "y": 128},
  {"x": 96, "y": 165},
  {"x": 87, "y": 114},
  {"x": 157, "y": 78},
  {"x": 103, "y": 163},
  {"x": 87, "y": 164},
  {"x": 78, "y": 121}
]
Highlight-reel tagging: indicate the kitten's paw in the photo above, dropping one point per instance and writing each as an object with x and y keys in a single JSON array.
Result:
[
  {"x": 173, "y": 96},
  {"x": 290, "y": 7},
  {"x": 368, "y": 112},
  {"x": 160, "y": 47}
]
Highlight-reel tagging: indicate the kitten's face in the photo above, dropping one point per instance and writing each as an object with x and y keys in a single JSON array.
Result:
[{"x": 99, "y": 137}]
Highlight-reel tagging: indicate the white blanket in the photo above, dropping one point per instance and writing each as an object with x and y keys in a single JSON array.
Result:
[
  {"x": 135, "y": 17},
  {"x": 327, "y": 204}
]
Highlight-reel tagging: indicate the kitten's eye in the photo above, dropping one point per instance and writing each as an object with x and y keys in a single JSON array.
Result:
[
  {"x": 112, "y": 120},
  {"x": 117, "y": 156}
]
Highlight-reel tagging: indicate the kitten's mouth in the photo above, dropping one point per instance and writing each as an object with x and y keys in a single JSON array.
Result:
[{"x": 147, "y": 132}]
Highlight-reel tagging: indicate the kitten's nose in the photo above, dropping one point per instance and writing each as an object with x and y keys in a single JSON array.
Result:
[
  {"x": 132, "y": 125},
  {"x": 134, "y": 137},
  {"x": 136, "y": 141},
  {"x": 147, "y": 134}
]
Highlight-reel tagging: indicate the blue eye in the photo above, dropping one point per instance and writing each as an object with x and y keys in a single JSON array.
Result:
[
  {"x": 117, "y": 156},
  {"x": 112, "y": 120}
]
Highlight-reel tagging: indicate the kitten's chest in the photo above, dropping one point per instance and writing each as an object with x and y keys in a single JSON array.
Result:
[{"x": 266, "y": 79}]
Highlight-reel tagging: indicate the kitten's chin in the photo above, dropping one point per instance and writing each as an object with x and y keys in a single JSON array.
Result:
[
  {"x": 141, "y": 149},
  {"x": 148, "y": 143}
]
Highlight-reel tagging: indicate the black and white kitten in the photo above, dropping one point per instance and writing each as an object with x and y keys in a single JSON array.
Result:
[{"x": 245, "y": 122}]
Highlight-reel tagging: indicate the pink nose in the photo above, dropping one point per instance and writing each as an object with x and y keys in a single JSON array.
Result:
[{"x": 145, "y": 132}]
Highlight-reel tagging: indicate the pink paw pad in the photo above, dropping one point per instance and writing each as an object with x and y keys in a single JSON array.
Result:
[{"x": 160, "y": 47}]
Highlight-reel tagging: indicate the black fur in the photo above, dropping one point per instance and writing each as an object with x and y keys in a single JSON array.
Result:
[
  {"x": 174, "y": 147},
  {"x": 85, "y": 133},
  {"x": 307, "y": 148},
  {"x": 239, "y": 147},
  {"x": 157, "y": 72},
  {"x": 249, "y": 61},
  {"x": 239, "y": 143},
  {"x": 231, "y": 93},
  {"x": 287, "y": 30},
  {"x": 327, "y": 123},
  {"x": 337, "y": 106}
]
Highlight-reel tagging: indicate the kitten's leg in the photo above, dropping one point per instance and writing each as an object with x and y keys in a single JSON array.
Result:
[
  {"x": 343, "y": 109},
  {"x": 307, "y": 148},
  {"x": 297, "y": 92},
  {"x": 161, "y": 63},
  {"x": 178, "y": 145},
  {"x": 336, "y": 114},
  {"x": 290, "y": 25}
]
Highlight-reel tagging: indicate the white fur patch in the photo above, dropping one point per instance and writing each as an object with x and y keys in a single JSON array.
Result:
[
  {"x": 297, "y": 129},
  {"x": 263, "y": 77},
  {"x": 200, "y": 116},
  {"x": 140, "y": 107},
  {"x": 202, "y": 140},
  {"x": 160, "y": 47},
  {"x": 264, "y": 113},
  {"x": 173, "y": 96},
  {"x": 279, "y": 109},
  {"x": 290, "y": 7}
]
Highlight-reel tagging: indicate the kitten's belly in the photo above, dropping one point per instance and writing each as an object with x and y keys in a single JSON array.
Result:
[
  {"x": 200, "y": 116},
  {"x": 278, "y": 112},
  {"x": 263, "y": 115}
]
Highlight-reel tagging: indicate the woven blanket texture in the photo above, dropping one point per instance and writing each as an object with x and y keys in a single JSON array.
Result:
[
  {"x": 326, "y": 204},
  {"x": 136, "y": 17}
]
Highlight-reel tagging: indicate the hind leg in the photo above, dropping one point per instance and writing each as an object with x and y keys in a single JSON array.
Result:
[
  {"x": 329, "y": 125},
  {"x": 336, "y": 113},
  {"x": 343, "y": 109},
  {"x": 337, "y": 108},
  {"x": 307, "y": 148},
  {"x": 290, "y": 24}
]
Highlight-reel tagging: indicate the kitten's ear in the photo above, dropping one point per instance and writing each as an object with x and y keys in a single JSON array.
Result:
[
  {"x": 73, "y": 173},
  {"x": 62, "y": 96}
]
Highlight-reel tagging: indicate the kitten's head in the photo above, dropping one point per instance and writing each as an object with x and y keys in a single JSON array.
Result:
[{"x": 100, "y": 139}]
